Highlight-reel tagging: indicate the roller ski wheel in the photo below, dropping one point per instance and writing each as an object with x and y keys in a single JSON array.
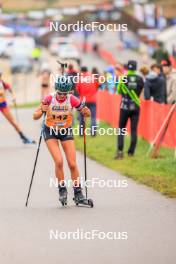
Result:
[
  {"x": 80, "y": 199},
  {"x": 90, "y": 203},
  {"x": 63, "y": 195}
]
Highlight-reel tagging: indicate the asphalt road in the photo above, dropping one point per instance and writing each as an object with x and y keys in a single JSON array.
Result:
[{"x": 147, "y": 217}]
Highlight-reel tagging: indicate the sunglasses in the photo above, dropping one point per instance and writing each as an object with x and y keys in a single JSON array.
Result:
[{"x": 63, "y": 94}]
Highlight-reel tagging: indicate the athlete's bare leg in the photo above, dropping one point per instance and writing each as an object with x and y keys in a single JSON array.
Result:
[
  {"x": 70, "y": 153},
  {"x": 53, "y": 147},
  {"x": 8, "y": 115}
]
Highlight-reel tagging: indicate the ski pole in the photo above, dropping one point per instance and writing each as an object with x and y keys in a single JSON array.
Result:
[
  {"x": 85, "y": 150},
  {"x": 85, "y": 155},
  {"x": 16, "y": 112},
  {"x": 35, "y": 163},
  {"x": 63, "y": 66}
]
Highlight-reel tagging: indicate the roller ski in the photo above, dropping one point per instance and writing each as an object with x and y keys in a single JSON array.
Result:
[
  {"x": 63, "y": 195},
  {"x": 80, "y": 199},
  {"x": 26, "y": 140}
]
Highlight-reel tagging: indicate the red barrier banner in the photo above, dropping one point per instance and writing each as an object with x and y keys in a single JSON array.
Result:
[{"x": 152, "y": 116}]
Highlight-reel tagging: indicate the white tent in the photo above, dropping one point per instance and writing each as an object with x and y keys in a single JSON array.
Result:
[
  {"x": 6, "y": 31},
  {"x": 168, "y": 37},
  {"x": 36, "y": 15}
]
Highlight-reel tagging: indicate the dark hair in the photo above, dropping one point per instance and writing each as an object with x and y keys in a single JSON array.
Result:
[
  {"x": 144, "y": 70},
  {"x": 84, "y": 69},
  {"x": 70, "y": 66},
  {"x": 95, "y": 70},
  {"x": 160, "y": 44},
  {"x": 155, "y": 65}
]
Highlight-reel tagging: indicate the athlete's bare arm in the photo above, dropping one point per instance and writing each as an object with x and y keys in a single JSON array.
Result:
[
  {"x": 39, "y": 111},
  {"x": 85, "y": 111},
  {"x": 12, "y": 94}
]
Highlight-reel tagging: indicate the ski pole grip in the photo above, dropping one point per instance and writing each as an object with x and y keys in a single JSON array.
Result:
[
  {"x": 83, "y": 105},
  {"x": 83, "y": 101}
]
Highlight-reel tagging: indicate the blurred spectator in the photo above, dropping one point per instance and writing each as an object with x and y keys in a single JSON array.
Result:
[
  {"x": 86, "y": 36},
  {"x": 95, "y": 48},
  {"x": 96, "y": 75},
  {"x": 130, "y": 108},
  {"x": 87, "y": 87},
  {"x": 45, "y": 80},
  {"x": 36, "y": 54},
  {"x": 109, "y": 84},
  {"x": 119, "y": 71},
  {"x": 72, "y": 73},
  {"x": 95, "y": 71},
  {"x": 155, "y": 86},
  {"x": 160, "y": 53},
  {"x": 144, "y": 70},
  {"x": 125, "y": 66},
  {"x": 174, "y": 51},
  {"x": 170, "y": 76},
  {"x": 103, "y": 85}
]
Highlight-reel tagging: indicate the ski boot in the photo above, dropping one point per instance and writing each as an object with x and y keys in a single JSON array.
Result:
[
  {"x": 119, "y": 155},
  {"x": 130, "y": 155},
  {"x": 26, "y": 140},
  {"x": 80, "y": 199},
  {"x": 62, "y": 195}
]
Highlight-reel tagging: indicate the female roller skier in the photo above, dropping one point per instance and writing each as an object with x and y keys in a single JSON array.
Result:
[
  {"x": 5, "y": 110},
  {"x": 58, "y": 115}
]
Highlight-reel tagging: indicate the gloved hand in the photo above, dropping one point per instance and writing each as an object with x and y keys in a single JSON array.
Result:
[
  {"x": 44, "y": 107},
  {"x": 85, "y": 111}
]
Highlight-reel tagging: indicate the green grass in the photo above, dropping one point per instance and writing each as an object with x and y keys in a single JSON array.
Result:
[
  {"x": 160, "y": 174},
  {"x": 27, "y": 105}
]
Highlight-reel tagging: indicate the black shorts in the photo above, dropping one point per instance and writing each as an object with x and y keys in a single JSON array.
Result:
[{"x": 59, "y": 134}]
